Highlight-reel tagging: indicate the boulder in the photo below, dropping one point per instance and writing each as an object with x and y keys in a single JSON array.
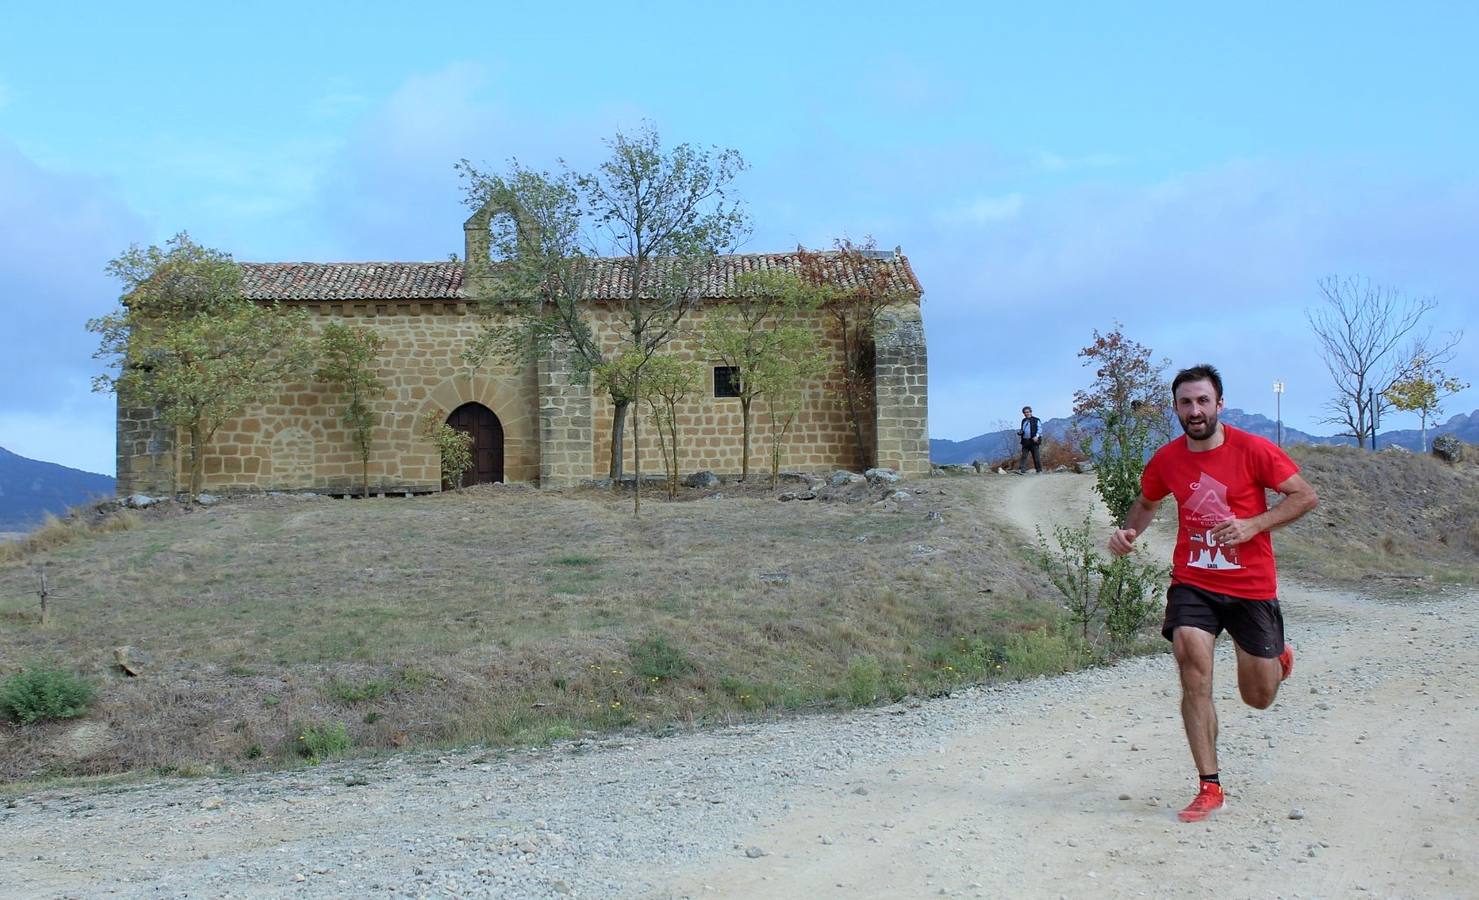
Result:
[
  {"x": 704, "y": 479},
  {"x": 140, "y": 501},
  {"x": 1084, "y": 467},
  {"x": 842, "y": 477},
  {"x": 207, "y": 499},
  {"x": 1448, "y": 448},
  {"x": 882, "y": 476},
  {"x": 129, "y": 661}
]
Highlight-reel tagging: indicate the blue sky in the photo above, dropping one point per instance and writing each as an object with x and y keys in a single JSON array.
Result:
[{"x": 1048, "y": 168}]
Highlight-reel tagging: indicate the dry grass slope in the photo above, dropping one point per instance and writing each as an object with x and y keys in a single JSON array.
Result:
[
  {"x": 1388, "y": 515},
  {"x": 274, "y": 629},
  {"x": 506, "y": 615}
]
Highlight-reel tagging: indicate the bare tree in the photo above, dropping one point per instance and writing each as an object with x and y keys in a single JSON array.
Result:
[{"x": 1359, "y": 325}]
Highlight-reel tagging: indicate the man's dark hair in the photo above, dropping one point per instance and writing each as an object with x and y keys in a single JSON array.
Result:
[{"x": 1203, "y": 372}]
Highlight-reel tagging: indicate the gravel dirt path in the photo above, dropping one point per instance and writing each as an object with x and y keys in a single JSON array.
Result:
[{"x": 1361, "y": 778}]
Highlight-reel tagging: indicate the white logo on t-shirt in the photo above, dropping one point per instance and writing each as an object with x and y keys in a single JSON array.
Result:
[{"x": 1205, "y": 509}]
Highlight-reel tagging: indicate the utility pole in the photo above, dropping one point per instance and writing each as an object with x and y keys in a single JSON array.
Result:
[
  {"x": 1278, "y": 410},
  {"x": 1372, "y": 415}
]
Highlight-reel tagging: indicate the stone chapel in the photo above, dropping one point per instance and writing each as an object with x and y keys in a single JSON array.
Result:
[{"x": 531, "y": 422}]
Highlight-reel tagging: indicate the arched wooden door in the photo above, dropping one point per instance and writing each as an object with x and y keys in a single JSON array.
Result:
[{"x": 487, "y": 442}]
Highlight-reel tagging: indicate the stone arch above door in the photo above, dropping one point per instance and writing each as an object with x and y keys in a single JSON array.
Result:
[{"x": 510, "y": 404}]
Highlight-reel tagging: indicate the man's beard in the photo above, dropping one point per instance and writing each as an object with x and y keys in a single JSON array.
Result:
[{"x": 1202, "y": 430}]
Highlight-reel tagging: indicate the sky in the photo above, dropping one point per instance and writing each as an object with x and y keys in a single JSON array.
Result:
[{"x": 1190, "y": 171}]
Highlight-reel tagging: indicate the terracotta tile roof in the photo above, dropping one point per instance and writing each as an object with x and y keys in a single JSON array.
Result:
[
  {"x": 612, "y": 278},
  {"x": 443, "y": 281},
  {"x": 352, "y": 281}
]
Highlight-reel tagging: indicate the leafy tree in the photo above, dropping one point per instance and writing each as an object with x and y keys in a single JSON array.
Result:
[
  {"x": 1359, "y": 327},
  {"x": 347, "y": 359},
  {"x": 1424, "y": 385},
  {"x": 853, "y": 287},
  {"x": 760, "y": 330},
  {"x": 1123, "y": 413},
  {"x": 185, "y": 341},
  {"x": 666, "y": 383},
  {"x": 642, "y": 230},
  {"x": 781, "y": 379},
  {"x": 453, "y": 447}
]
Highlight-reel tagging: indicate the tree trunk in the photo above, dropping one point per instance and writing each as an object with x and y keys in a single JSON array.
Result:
[
  {"x": 618, "y": 430},
  {"x": 636, "y": 460},
  {"x": 197, "y": 462},
  {"x": 364, "y": 475},
  {"x": 745, "y": 440}
]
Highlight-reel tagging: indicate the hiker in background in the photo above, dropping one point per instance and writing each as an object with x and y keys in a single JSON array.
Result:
[{"x": 1030, "y": 432}]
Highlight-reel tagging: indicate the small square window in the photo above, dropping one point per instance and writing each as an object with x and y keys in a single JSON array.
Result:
[{"x": 726, "y": 381}]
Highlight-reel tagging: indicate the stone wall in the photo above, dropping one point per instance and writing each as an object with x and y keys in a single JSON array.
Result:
[
  {"x": 299, "y": 439},
  {"x": 556, "y": 430},
  {"x": 145, "y": 452},
  {"x": 901, "y": 391},
  {"x": 711, "y": 428}
]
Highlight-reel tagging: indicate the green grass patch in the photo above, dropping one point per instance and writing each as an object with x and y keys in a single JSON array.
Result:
[
  {"x": 655, "y": 660},
  {"x": 357, "y": 691},
  {"x": 320, "y": 741}
]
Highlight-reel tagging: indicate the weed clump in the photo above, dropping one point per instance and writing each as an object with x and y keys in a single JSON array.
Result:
[
  {"x": 41, "y": 693},
  {"x": 319, "y": 741},
  {"x": 357, "y": 691},
  {"x": 864, "y": 680},
  {"x": 656, "y": 660}
]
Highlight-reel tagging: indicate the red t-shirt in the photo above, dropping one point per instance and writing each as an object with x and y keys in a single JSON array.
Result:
[{"x": 1211, "y": 487}]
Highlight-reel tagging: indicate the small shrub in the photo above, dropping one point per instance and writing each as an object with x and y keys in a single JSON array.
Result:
[
  {"x": 454, "y": 448},
  {"x": 864, "y": 681},
  {"x": 321, "y": 741},
  {"x": 41, "y": 693},
  {"x": 255, "y": 751},
  {"x": 654, "y": 659}
]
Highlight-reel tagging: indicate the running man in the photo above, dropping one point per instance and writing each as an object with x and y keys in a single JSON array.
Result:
[{"x": 1222, "y": 573}]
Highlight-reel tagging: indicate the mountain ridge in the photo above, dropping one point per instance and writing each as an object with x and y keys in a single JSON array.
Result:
[
  {"x": 996, "y": 445},
  {"x": 31, "y": 488}
]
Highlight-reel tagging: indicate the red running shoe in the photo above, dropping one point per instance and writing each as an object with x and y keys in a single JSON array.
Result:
[
  {"x": 1286, "y": 660},
  {"x": 1208, "y": 801}
]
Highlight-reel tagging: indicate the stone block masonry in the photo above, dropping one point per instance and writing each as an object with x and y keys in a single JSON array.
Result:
[
  {"x": 555, "y": 428},
  {"x": 901, "y": 391}
]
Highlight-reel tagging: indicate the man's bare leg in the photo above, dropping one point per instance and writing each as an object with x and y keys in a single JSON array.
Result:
[
  {"x": 1258, "y": 679},
  {"x": 1193, "y": 650}
]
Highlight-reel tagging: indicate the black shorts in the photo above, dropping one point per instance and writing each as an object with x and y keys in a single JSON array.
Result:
[{"x": 1256, "y": 625}]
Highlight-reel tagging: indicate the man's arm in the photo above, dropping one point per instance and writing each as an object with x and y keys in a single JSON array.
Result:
[
  {"x": 1142, "y": 513},
  {"x": 1299, "y": 498}
]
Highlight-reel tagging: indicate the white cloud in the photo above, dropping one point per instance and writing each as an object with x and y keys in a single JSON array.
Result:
[
  {"x": 984, "y": 210},
  {"x": 1211, "y": 266},
  {"x": 57, "y": 232},
  {"x": 1053, "y": 162}
]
